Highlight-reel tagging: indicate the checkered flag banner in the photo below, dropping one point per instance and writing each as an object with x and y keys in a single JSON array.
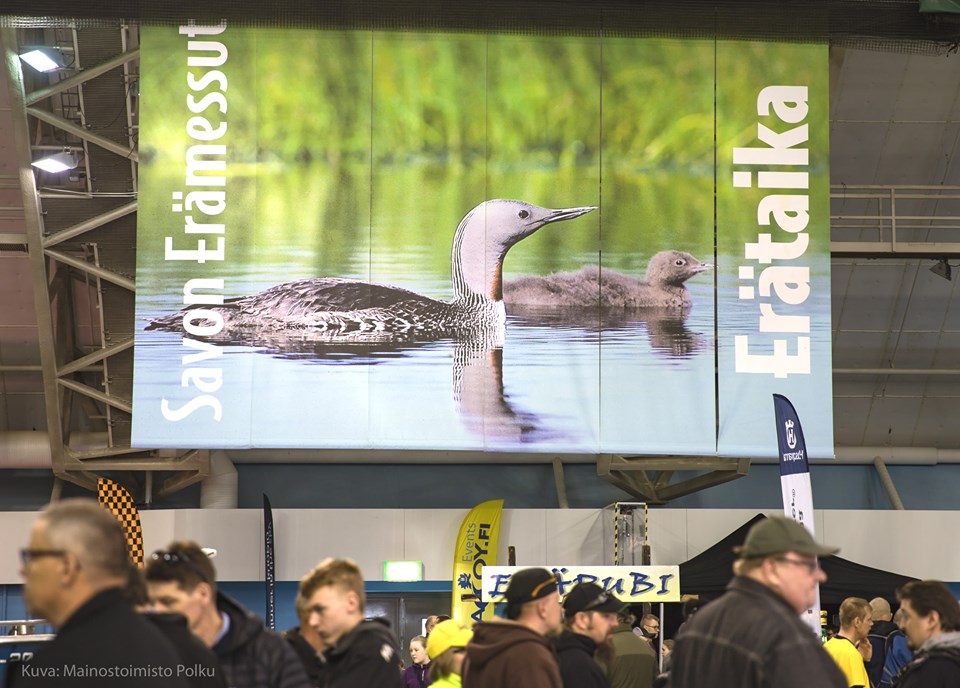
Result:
[{"x": 116, "y": 498}]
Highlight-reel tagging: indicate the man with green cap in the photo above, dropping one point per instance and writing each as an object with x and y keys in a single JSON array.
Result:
[{"x": 752, "y": 637}]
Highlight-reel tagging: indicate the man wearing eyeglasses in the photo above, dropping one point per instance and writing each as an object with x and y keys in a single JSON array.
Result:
[
  {"x": 74, "y": 571},
  {"x": 649, "y": 630},
  {"x": 590, "y": 615},
  {"x": 182, "y": 580},
  {"x": 752, "y": 636}
]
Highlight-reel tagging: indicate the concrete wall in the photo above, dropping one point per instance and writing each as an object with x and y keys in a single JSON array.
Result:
[{"x": 906, "y": 542}]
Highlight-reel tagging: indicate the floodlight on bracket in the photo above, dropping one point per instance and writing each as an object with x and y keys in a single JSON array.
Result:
[
  {"x": 942, "y": 269},
  {"x": 44, "y": 59},
  {"x": 58, "y": 162}
]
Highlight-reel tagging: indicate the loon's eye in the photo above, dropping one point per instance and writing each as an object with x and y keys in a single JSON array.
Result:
[
  {"x": 679, "y": 261},
  {"x": 523, "y": 214}
]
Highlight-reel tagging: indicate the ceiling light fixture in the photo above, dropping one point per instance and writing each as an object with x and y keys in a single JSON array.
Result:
[{"x": 58, "y": 162}]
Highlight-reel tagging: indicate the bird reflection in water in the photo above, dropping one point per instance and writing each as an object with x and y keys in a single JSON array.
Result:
[{"x": 483, "y": 404}]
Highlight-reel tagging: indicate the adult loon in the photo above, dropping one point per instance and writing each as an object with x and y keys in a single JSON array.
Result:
[
  {"x": 591, "y": 287},
  {"x": 330, "y": 307}
]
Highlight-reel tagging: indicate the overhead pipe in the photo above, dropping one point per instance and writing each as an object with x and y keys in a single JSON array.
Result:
[
  {"x": 887, "y": 483},
  {"x": 219, "y": 490}
]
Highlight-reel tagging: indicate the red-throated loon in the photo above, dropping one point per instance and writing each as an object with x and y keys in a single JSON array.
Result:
[
  {"x": 591, "y": 287},
  {"x": 328, "y": 306}
]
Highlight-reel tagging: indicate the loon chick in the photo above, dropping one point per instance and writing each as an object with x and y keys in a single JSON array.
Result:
[
  {"x": 330, "y": 307},
  {"x": 590, "y": 286}
]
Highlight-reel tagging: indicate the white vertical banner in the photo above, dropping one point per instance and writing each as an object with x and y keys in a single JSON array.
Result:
[{"x": 795, "y": 481}]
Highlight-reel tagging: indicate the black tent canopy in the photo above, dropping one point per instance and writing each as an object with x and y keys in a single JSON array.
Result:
[{"x": 708, "y": 573}]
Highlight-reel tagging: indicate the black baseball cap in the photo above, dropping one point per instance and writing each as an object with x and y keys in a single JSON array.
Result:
[
  {"x": 590, "y": 597},
  {"x": 527, "y": 585}
]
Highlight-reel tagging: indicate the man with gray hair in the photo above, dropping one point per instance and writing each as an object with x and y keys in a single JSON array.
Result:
[
  {"x": 75, "y": 570},
  {"x": 753, "y": 637}
]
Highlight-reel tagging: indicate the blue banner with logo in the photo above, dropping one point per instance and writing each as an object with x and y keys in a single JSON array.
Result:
[
  {"x": 795, "y": 480},
  {"x": 269, "y": 566}
]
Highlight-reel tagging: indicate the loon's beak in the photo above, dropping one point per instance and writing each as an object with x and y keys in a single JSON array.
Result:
[
  {"x": 567, "y": 213},
  {"x": 703, "y": 267}
]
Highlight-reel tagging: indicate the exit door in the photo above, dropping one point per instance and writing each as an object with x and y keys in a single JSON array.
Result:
[{"x": 407, "y": 613}]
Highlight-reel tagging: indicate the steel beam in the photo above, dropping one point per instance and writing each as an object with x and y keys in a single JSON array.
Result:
[
  {"x": 90, "y": 268},
  {"x": 98, "y": 355},
  {"x": 82, "y": 76},
  {"x": 34, "y": 233},
  {"x": 561, "y": 484},
  {"x": 84, "y": 134},
  {"x": 113, "y": 401},
  {"x": 87, "y": 225}
]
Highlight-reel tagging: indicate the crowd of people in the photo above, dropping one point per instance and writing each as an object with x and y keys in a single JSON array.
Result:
[{"x": 169, "y": 625}]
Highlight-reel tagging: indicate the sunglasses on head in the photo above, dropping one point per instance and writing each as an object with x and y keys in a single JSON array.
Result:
[
  {"x": 176, "y": 558},
  {"x": 550, "y": 581},
  {"x": 598, "y": 601}
]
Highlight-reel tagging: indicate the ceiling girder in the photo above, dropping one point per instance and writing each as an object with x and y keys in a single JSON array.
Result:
[{"x": 648, "y": 477}]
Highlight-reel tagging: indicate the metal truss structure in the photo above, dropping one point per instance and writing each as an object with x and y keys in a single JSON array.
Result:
[{"x": 81, "y": 238}]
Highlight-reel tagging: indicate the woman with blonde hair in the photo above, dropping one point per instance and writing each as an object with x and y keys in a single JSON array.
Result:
[
  {"x": 416, "y": 675},
  {"x": 446, "y": 646}
]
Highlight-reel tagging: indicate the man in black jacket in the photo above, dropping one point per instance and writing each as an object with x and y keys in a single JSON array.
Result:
[
  {"x": 590, "y": 617},
  {"x": 307, "y": 643},
  {"x": 932, "y": 625},
  {"x": 74, "y": 570},
  {"x": 182, "y": 579},
  {"x": 359, "y": 654},
  {"x": 752, "y": 637},
  {"x": 200, "y": 666},
  {"x": 882, "y": 627}
]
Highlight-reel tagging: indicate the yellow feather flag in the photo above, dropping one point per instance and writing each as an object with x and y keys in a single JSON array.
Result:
[
  {"x": 116, "y": 498},
  {"x": 476, "y": 548}
]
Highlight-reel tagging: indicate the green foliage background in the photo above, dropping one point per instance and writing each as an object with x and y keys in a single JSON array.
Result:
[{"x": 347, "y": 145}]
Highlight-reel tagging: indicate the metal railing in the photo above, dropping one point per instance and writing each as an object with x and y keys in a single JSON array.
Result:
[{"x": 909, "y": 221}]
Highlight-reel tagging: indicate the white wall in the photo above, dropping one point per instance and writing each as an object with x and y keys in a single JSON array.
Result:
[{"x": 907, "y": 542}]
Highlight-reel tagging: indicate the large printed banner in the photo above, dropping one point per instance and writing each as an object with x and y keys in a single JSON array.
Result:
[
  {"x": 480, "y": 242},
  {"x": 633, "y": 584}
]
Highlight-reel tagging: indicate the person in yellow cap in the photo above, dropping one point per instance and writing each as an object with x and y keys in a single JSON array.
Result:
[{"x": 446, "y": 646}]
